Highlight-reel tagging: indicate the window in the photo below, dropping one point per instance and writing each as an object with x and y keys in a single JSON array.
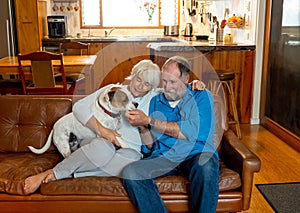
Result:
[
  {"x": 169, "y": 12},
  {"x": 90, "y": 12},
  {"x": 291, "y": 13},
  {"x": 128, "y": 13}
]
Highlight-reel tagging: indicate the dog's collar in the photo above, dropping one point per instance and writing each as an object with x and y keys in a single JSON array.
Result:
[{"x": 111, "y": 114}]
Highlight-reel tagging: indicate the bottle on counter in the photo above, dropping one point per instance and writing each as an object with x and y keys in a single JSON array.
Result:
[{"x": 228, "y": 38}]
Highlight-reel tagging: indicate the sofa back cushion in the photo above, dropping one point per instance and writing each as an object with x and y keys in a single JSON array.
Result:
[
  {"x": 220, "y": 116},
  {"x": 28, "y": 120}
]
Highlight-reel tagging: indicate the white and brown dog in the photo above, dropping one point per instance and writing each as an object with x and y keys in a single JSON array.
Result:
[{"x": 67, "y": 132}]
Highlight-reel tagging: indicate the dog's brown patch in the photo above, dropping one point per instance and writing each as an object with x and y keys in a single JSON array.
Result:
[{"x": 118, "y": 98}]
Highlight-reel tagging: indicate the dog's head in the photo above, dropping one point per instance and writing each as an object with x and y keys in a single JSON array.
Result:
[{"x": 116, "y": 99}]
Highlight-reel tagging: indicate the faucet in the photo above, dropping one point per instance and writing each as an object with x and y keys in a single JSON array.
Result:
[
  {"x": 89, "y": 34},
  {"x": 107, "y": 33}
]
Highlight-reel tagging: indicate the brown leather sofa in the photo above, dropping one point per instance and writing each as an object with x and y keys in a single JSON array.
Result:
[{"x": 27, "y": 120}]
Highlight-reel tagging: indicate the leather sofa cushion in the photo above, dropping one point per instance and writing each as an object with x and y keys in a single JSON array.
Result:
[
  {"x": 14, "y": 168},
  {"x": 26, "y": 121},
  {"x": 112, "y": 186},
  {"x": 229, "y": 179}
]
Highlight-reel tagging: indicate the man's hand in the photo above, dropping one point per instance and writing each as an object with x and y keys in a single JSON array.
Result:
[{"x": 137, "y": 118}]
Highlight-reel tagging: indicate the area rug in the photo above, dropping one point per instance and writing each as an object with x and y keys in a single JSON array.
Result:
[{"x": 282, "y": 197}]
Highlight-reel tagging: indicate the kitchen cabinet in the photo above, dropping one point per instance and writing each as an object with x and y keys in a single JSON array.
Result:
[
  {"x": 95, "y": 48},
  {"x": 115, "y": 61},
  {"x": 31, "y": 24}
]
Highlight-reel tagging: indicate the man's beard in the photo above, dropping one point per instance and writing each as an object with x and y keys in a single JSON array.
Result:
[{"x": 174, "y": 96}]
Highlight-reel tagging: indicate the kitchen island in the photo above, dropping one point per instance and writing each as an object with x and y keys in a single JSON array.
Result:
[
  {"x": 117, "y": 54},
  {"x": 205, "y": 57}
]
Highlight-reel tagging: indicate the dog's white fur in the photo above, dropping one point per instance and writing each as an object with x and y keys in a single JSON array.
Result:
[{"x": 69, "y": 124}]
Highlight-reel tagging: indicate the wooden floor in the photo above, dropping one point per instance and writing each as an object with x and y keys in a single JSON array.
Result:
[{"x": 279, "y": 162}]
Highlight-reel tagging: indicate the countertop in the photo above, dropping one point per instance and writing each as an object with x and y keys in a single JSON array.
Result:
[
  {"x": 103, "y": 39},
  {"x": 159, "y": 43},
  {"x": 191, "y": 44}
]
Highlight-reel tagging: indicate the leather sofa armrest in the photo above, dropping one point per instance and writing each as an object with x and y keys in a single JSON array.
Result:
[{"x": 239, "y": 158}]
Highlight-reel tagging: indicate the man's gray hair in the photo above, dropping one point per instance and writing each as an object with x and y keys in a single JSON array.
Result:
[{"x": 182, "y": 63}]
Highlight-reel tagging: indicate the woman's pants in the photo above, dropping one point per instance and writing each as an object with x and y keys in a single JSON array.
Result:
[{"x": 99, "y": 157}]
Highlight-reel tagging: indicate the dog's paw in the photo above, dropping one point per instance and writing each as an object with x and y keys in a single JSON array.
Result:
[{"x": 73, "y": 142}]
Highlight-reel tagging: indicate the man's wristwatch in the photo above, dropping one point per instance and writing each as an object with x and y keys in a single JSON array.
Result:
[{"x": 152, "y": 122}]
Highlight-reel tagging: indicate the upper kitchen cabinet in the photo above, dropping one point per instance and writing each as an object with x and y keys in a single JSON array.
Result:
[{"x": 30, "y": 22}]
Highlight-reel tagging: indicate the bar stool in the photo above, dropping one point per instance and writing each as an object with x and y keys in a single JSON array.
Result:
[{"x": 224, "y": 79}]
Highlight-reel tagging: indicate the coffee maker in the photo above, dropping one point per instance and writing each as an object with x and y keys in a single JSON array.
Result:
[{"x": 57, "y": 26}]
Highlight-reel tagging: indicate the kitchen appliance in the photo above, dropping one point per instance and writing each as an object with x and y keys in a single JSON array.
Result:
[
  {"x": 188, "y": 32},
  {"x": 57, "y": 26},
  {"x": 8, "y": 37},
  {"x": 52, "y": 45},
  {"x": 172, "y": 30}
]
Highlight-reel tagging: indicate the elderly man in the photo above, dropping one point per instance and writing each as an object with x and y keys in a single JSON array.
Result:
[{"x": 177, "y": 138}]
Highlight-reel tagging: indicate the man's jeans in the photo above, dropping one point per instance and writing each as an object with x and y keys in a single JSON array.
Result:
[{"x": 202, "y": 170}]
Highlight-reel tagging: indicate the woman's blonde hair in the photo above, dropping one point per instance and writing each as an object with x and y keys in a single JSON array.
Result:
[{"x": 151, "y": 70}]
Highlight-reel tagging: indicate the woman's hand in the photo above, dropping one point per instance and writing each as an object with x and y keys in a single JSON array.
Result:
[
  {"x": 102, "y": 131},
  {"x": 109, "y": 134},
  {"x": 198, "y": 85}
]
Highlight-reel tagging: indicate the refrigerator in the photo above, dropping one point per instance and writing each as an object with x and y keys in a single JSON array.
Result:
[{"x": 8, "y": 34}]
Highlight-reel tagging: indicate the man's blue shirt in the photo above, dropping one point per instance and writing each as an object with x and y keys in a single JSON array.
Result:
[{"x": 195, "y": 117}]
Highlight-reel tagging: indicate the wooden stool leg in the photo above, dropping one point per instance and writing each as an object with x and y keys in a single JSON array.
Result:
[
  {"x": 214, "y": 87},
  {"x": 234, "y": 109}
]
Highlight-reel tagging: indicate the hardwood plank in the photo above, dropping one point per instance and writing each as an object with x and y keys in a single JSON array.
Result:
[{"x": 279, "y": 162}]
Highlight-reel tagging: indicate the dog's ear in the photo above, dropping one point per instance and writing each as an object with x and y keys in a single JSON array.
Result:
[
  {"x": 114, "y": 89},
  {"x": 110, "y": 95},
  {"x": 112, "y": 92}
]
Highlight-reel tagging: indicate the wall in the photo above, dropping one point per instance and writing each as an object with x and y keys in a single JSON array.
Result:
[
  {"x": 217, "y": 8},
  {"x": 245, "y": 8},
  {"x": 258, "y": 62}
]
